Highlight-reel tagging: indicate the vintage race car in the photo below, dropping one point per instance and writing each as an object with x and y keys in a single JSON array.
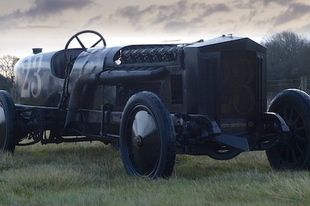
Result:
[{"x": 155, "y": 101}]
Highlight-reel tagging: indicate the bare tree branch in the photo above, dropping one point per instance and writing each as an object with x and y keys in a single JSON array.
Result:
[{"x": 7, "y": 64}]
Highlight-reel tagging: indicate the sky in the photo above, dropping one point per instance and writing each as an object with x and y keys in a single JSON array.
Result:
[{"x": 26, "y": 24}]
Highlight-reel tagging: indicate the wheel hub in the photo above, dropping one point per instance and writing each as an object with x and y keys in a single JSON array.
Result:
[{"x": 137, "y": 141}]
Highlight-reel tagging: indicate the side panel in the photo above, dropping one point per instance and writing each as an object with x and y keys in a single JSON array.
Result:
[
  {"x": 202, "y": 82},
  {"x": 209, "y": 80},
  {"x": 34, "y": 82},
  {"x": 91, "y": 62}
]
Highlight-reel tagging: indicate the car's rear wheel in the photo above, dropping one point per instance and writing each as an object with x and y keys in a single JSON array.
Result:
[
  {"x": 147, "y": 137},
  {"x": 7, "y": 122},
  {"x": 293, "y": 152}
]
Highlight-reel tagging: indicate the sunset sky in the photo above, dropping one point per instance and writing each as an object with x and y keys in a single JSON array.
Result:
[{"x": 25, "y": 24}]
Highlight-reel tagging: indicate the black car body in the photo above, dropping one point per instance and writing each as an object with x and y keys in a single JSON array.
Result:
[{"x": 156, "y": 101}]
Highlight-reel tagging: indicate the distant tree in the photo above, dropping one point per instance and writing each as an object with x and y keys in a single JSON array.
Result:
[
  {"x": 5, "y": 83},
  {"x": 7, "y": 64},
  {"x": 287, "y": 56}
]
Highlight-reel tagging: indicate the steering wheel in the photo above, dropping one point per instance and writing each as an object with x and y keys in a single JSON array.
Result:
[{"x": 83, "y": 47}]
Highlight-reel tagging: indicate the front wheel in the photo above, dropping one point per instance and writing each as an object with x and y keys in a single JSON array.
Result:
[
  {"x": 293, "y": 151},
  {"x": 147, "y": 137},
  {"x": 7, "y": 122}
]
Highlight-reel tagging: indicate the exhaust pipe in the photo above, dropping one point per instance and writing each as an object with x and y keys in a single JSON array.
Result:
[{"x": 110, "y": 77}]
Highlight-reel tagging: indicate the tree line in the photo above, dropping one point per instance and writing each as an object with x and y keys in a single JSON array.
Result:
[
  {"x": 7, "y": 64},
  {"x": 288, "y": 57}
]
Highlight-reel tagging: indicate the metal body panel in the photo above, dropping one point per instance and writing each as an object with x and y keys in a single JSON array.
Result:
[
  {"x": 226, "y": 80},
  {"x": 35, "y": 83},
  {"x": 220, "y": 82}
]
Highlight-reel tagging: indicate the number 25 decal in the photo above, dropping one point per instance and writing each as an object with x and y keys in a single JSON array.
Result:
[{"x": 32, "y": 84}]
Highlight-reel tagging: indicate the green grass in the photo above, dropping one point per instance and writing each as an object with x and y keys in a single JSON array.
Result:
[{"x": 93, "y": 174}]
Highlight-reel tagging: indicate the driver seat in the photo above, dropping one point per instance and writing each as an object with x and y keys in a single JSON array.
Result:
[{"x": 59, "y": 62}]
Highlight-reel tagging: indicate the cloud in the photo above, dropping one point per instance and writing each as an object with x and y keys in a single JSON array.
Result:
[
  {"x": 134, "y": 14},
  {"x": 267, "y": 2},
  {"x": 94, "y": 20},
  {"x": 294, "y": 11},
  {"x": 172, "y": 17},
  {"x": 173, "y": 26},
  {"x": 172, "y": 12},
  {"x": 45, "y": 8},
  {"x": 41, "y": 10},
  {"x": 304, "y": 30},
  {"x": 209, "y": 10},
  {"x": 281, "y": 2}
]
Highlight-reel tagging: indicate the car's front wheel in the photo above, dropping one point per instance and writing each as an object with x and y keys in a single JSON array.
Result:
[{"x": 147, "y": 137}]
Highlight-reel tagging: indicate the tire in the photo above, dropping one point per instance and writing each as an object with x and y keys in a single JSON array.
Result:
[
  {"x": 293, "y": 152},
  {"x": 147, "y": 137},
  {"x": 7, "y": 122}
]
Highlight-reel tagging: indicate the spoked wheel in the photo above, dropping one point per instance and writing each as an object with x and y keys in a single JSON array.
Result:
[
  {"x": 7, "y": 121},
  {"x": 82, "y": 45},
  {"x": 293, "y": 152},
  {"x": 147, "y": 137}
]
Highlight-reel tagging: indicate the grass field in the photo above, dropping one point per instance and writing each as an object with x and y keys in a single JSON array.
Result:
[{"x": 93, "y": 174}]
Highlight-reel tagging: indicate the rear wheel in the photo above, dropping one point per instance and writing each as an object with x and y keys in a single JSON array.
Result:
[
  {"x": 293, "y": 152},
  {"x": 7, "y": 122},
  {"x": 147, "y": 137}
]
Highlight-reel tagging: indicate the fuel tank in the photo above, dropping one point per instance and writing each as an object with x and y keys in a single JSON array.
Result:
[{"x": 39, "y": 78}]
